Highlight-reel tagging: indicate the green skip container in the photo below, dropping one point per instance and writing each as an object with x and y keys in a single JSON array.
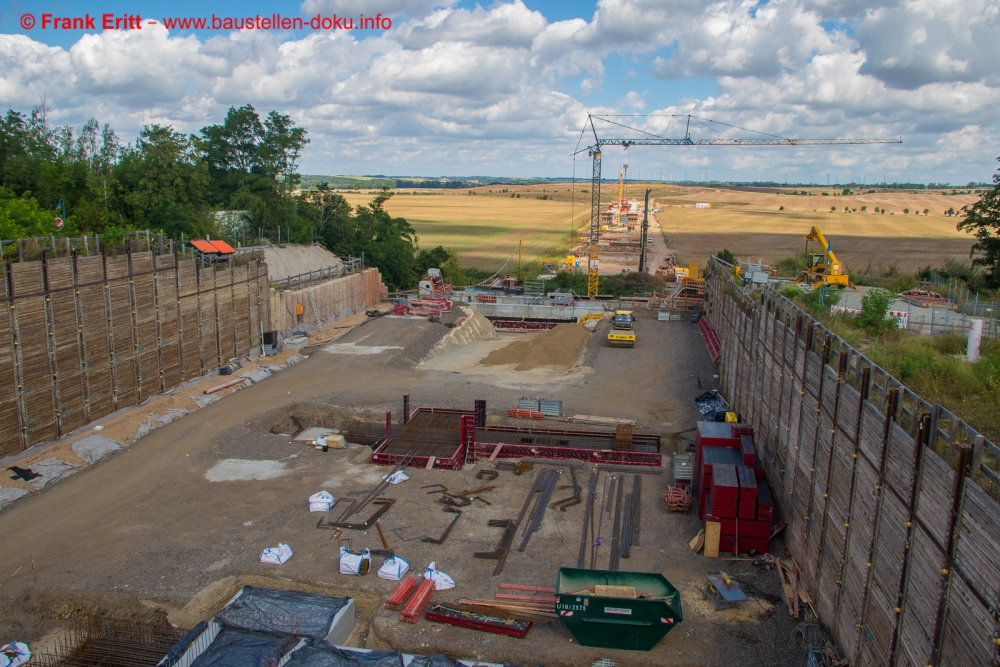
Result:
[{"x": 618, "y": 610}]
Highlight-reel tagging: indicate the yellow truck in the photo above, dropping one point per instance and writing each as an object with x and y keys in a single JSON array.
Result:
[{"x": 623, "y": 334}]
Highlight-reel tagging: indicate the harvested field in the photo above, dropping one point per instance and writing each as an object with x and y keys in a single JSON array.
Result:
[
  {"x": 559, "y": 346},
  {"x": 485, "y": 228},
  {"x": 750, "y": 225}
]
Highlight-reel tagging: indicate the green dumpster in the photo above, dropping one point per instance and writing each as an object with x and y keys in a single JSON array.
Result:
[{"x": 623, "y": 610}]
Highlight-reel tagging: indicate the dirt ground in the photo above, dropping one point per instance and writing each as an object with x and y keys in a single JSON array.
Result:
[{"x": 145, "y": 534}]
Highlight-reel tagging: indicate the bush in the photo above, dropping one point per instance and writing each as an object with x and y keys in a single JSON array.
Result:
[
  {"x": 727, "y": 257},
  {"x": 819, "y": 300},
  {"x": 796, "y": 262},
  {"x": 874, "y": 308}
]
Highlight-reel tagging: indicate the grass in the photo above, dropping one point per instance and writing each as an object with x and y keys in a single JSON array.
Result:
[
  {"x": 934, "y": 367},
  {"x": 486, "y": 229}
]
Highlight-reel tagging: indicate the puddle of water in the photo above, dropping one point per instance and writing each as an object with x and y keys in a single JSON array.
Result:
[{"x": 243, "y": 470}]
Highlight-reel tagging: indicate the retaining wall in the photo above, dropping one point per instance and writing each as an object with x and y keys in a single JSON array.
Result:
[
  {"x": 83, "y": 337},
  {"x": 891, "y": 510},
  {"x": 324, "y": 301}
]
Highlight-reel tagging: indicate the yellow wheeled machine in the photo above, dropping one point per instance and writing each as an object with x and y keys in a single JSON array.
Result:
[
  {"x": 823, "y": 268},
  {"x": 623, "y": 334}
]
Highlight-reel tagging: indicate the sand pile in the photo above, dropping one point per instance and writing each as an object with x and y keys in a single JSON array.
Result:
[{"x": 560, "y": 346}]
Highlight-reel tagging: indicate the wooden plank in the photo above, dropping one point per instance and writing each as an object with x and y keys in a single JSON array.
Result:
[
  {"x": 934, "y": 499},
  {"x": 899, "y": 461},
  {"x": 978, "y": 548},
  {"x": 870, "y": 439},
  {"x": 969, "y": 629},
  {"x": 848, "y": 410},
  {"x": 924, "y": 587},
  {"x": 713, "y": 533}
]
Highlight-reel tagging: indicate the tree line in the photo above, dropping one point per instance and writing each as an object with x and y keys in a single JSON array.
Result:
[{"x": 175, "y": 184}]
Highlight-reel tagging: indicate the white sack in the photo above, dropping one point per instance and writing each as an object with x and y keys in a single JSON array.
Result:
[{"x": 276, "y": 555}]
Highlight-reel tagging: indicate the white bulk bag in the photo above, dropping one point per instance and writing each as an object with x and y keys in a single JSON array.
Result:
[
  {"x": 393, "y": 568},
  {"x": 321, "y": 502},
  {"x": 350, "y": 563},
  {"x": 276, "y": 555},
  {"x": 442, "y": 581}
]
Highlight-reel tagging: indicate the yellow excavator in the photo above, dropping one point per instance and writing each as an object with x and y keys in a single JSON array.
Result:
[{"x": 823, "y": 268}]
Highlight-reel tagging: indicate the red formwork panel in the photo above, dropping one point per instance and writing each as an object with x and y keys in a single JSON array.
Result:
[
  {"x": 740, "y": 544},
  {"x": 748, "y": 493},
  {"x": 765, "y": 507},
  {"x": 738, "y": 527},
  {"x": 653, "y": 459},
  {"x": 454, "y": 462},
  {"x": 715, "y": 434},
  {"x": 724, "y": 495},
  {"x": 749, "y": 452},
  {"x": 711, "y": 338}
]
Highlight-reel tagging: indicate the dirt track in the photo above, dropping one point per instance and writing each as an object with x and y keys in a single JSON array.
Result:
[{"x": 143, "y": 532}]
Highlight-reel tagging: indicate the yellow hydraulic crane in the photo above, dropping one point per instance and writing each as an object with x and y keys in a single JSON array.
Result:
[
  {"x": 823, "y": 268},
  {"x": 648, "y": 138}
]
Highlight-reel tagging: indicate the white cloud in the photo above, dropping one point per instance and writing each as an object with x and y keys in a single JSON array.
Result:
[{"x": 454, "y": 90}]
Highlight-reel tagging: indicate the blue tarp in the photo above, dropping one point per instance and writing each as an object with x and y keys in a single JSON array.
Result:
[
  {"x": 324, "y": 655},
  {"x": 235, "y": 648},
  {"x": 282, "y": 612}
]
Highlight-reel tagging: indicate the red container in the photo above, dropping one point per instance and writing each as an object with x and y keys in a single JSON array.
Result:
[{"x": 748, "y": 493}]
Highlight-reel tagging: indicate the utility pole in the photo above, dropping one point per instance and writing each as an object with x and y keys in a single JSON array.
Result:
[{"x": 645, "y": 234}]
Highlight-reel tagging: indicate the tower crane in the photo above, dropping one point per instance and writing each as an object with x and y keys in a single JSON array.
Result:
[{"x": 653, "y": 139}]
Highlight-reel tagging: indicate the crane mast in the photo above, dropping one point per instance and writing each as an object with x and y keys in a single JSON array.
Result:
[{"x": 652, "y": 139}]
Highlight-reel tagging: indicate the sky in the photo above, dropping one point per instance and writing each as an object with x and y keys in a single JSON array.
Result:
[{"x": 459, "y": 88}]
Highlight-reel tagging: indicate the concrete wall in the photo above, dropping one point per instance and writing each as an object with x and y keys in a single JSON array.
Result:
[
  {"x": 327, "y": 300},
  {"x": 82, "y": 337},
  {"x": 291, "y": 260}
]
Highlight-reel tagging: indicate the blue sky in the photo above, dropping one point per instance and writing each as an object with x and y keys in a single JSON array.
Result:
[{"x": 503, "y": 88}]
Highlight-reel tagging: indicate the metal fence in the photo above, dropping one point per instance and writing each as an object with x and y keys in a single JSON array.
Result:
[
  {"x": 349, "y": 265},
  {"x": 890, "y": 499}
]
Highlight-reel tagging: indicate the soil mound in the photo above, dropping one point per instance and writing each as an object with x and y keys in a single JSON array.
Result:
[{"x": 559, "y": 346}]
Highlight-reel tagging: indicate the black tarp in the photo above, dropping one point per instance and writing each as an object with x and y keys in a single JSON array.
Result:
[
  {"x": 177, "y": 650},
  {"x": 235, "y": 648},
  {"x": 711, "y": 405},
  {"x": 433, "y": 661},
  {"x": 282, "y": 612},
  {"x": 324, "y": 655}
]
